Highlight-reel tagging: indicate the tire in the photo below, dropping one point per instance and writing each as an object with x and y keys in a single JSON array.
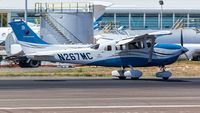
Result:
[
  {"x": 30, "y": 64},
  {"x": 122, "y": 78},
  {"x": 135, "y": 78},
  {"x": 34, "y": 63},
  {"x": 165, "y": 78},
  {"x": 196, "y": 58},
  {"x": 23, "y": 64}
]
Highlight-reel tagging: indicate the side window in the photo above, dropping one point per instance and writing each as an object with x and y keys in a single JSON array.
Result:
[
  {"x": 108, "y": 48},
  {"x": 136, "y": 45},
  {"x": 120, "y": 47}
]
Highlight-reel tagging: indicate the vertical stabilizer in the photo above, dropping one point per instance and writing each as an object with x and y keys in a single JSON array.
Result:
[{"x": 25, "y": 34}]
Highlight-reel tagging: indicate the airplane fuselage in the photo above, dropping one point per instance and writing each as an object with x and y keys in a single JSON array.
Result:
[{"x": 112, "y": 56}]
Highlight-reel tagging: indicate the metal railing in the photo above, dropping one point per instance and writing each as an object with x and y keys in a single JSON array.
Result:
[
  {"x": 63, "y": 29},
  {"x": 64, "y": 7},
  {"x": 185, "y": 22}
]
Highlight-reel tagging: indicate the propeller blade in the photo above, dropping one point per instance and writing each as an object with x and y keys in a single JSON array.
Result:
[
  {"x": 181, "y": 37},
  {"x": 183, "y": 44}
]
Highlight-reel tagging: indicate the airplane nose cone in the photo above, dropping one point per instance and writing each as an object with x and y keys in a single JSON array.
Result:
[{"x": 184, "y": 50}]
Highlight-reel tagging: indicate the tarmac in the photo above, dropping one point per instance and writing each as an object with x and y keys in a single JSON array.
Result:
[{"x": 99, "y": 95}]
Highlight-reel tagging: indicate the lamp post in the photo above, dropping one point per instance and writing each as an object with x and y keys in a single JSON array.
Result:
[
  {"x": 161, "y": 2},
  {"x": 26, "y": 10}
]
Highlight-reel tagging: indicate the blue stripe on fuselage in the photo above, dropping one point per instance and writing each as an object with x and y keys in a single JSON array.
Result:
[
  {"x": 168, "y": 46},
  {"x": 134, "y": 61}
]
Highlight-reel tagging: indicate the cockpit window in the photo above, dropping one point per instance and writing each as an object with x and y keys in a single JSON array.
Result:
[
  {"x": 136, "y": 45},
  {"x": 120, "y": 47},
  {"x": 96, "y": 46}
]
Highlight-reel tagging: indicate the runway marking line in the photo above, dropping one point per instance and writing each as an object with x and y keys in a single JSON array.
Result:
[
  {"x": 136, "y": 98},
  {"x": 102, "y": 107}
]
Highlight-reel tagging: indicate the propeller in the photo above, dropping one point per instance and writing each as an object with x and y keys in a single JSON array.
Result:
[{"x": 182, "y": 44}]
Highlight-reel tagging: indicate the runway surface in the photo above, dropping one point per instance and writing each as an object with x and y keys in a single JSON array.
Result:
[{"x": 100, "y": 95}]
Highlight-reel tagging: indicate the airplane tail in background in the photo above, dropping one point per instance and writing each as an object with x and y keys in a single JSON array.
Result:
[
  {"x": 25, "y": 34},
  {"x": 30, "y": 42}
]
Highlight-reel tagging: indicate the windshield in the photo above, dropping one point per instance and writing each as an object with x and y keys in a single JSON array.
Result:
[{"x": 96, "y": 46}]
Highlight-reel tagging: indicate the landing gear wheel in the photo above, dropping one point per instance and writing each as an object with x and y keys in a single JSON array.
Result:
[
  {"x": 34, "y": 63},
  {"x": 122, "y": 78},
  {"x": 135, "y": 78},
  {"x": 23, "y": 64},
  {"x": 165, "y": 78},
  {"x": 30, "y": 64},
  {"x": 165, "y": 75}
]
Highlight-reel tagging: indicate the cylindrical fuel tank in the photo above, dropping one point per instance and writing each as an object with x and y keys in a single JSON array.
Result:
[{"x": 67, "y": 26}]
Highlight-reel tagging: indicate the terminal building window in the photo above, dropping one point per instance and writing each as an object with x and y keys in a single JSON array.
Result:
[
  {"x": 107, "y": 19},
  {"x": 31, "y": 17},
  {"x": 137, "y": 21},
  {"x": 3, "y": 20},
  {"x": 167, "y": 21},
  {"x": 194, "y": 20},
  {"x": 151, "y": 21},
  {"x": 122, "y": 20},
  {"x": 179, "y": 17}
]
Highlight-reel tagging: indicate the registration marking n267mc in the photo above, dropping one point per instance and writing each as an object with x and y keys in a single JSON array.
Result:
[{"x": 75, "y": 56}]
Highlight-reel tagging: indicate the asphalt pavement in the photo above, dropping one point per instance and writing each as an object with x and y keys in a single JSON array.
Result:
[{"x": 99, "y": 95}]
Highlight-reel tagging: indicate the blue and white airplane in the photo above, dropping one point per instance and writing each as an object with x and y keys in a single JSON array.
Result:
[{"x": 139, "y": 51}]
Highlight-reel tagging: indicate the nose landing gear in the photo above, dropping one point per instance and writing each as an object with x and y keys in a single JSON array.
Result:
[{"x": 165, "y": 75}]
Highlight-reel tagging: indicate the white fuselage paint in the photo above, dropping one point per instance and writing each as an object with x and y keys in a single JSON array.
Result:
[{"x": 78, "y": 54}]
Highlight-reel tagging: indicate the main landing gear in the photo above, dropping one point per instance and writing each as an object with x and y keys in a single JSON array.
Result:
[
  {"x": 136, "y": 74},
  {"x": 123, "y": 74}
]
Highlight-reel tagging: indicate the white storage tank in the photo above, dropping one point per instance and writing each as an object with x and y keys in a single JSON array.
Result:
[{"x": 68, "y": 27}]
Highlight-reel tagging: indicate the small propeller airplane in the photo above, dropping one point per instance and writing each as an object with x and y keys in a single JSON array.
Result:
[{"x": 139, "y": 51}]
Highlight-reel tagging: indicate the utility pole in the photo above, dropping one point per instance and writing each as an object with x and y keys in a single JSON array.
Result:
[
  {"x": 26, "y": 10},
  {"x": 161, "y": 2}
]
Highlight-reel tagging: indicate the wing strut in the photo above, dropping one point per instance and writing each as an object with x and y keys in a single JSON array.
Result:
[{"x": 151, "y": 49}]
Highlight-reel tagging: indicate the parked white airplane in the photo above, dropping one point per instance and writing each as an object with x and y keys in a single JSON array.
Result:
[
  {"x": 187, "y": 37},
  {"x": 140, "y": 51},
  {"x": 7, "y": 39}
]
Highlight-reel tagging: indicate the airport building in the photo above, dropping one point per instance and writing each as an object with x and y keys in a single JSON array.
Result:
[
  {"x": 132, "y": 14},
  {"x": 63, "y": 20}
]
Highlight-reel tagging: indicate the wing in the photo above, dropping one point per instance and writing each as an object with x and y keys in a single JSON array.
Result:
[{"x": 150, "y": 36}]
